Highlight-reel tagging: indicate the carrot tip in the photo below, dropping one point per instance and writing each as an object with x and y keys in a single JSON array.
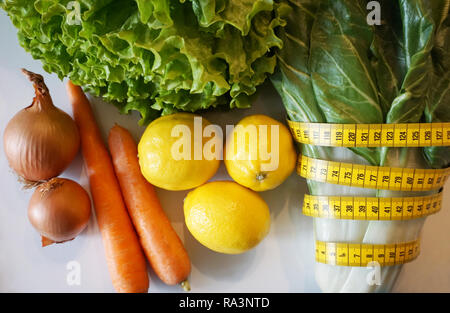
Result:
[{"x": 185, "y": 285}]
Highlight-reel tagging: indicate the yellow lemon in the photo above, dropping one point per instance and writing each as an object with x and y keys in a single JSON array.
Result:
[
  {"x": 260, "y": 153},
  {"x": 226, "y": 217},
  {"x": 171, "y": 155}
]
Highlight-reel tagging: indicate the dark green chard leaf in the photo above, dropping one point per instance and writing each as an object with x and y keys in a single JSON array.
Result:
[
  {"x": 344, "y": 82},
  {"x": 388, "y": 52},
  {"x": 292, "y": 78},
  {"x": 418, "y": 40},
  {"x": 343, "y": 79},
  {"x": 296, "y": 62},
  {"x": 420, "y": 21},
  {"x": 438, "y": 108}
]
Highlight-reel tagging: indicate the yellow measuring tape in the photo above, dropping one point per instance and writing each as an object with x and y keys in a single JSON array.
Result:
[
  {"x": 375, "y": 177},
  {"x": 371, "y": 208},
  {"x": 348, "y": 254},
  {"x": 371, "y": 135}
]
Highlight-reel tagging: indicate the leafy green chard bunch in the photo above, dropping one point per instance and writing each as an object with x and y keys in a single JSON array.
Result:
[
  {"x": 335, "y": 67},
  {"x": 157, "y": 56}
]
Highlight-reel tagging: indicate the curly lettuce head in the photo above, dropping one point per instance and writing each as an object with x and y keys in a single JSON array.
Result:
[{"x": 157, "y": 56}]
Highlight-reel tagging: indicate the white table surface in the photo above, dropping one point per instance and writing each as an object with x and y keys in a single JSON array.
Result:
[{"x": 283, "y": 262}]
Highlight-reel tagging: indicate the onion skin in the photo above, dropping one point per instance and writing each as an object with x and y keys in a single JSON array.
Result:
[
  {"x": 41, "y": 140},
  {"x": 59, "y": 209}
]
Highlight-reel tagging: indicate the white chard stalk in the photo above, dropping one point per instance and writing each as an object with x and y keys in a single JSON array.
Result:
[
  {"x": 332, "y": 278},
  {"x": 336, "y": 68}
]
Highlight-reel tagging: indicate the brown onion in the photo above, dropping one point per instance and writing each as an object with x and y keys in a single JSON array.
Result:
[
  {"x": 59, "y": 209},
  {"x": 41, "y": 140}
]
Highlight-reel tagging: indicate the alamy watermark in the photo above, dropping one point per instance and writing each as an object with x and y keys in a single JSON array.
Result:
[
  {"x": 374, "y": 275},
  {"x": 374, "y": 16},
  {"x": 73, "y": 277},
  {"x": 244, "y": 143},
  {"x": 74, "y": 14}
]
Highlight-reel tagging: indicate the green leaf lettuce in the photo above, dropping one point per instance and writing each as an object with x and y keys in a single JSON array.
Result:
[{"x": 157, "y": 56}]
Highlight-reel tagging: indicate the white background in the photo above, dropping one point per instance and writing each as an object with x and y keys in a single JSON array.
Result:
[{"x": 283, "y": 262}]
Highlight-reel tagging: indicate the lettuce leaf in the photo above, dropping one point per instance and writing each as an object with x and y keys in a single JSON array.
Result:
[{"x": 157, "y": 56}]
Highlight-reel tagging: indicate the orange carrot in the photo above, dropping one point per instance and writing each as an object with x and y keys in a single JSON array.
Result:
[
  {"x": 161, "y": 244},
  {"x": 124, "y": 255}
]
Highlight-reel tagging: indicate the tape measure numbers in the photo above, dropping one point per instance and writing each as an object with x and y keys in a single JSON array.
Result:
[
  {"x": 371, "y": 135},
  {"x": 375, "y": 177},
  {"x": 348, "y": 254},
  {"x": 371, "y": 208}
]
